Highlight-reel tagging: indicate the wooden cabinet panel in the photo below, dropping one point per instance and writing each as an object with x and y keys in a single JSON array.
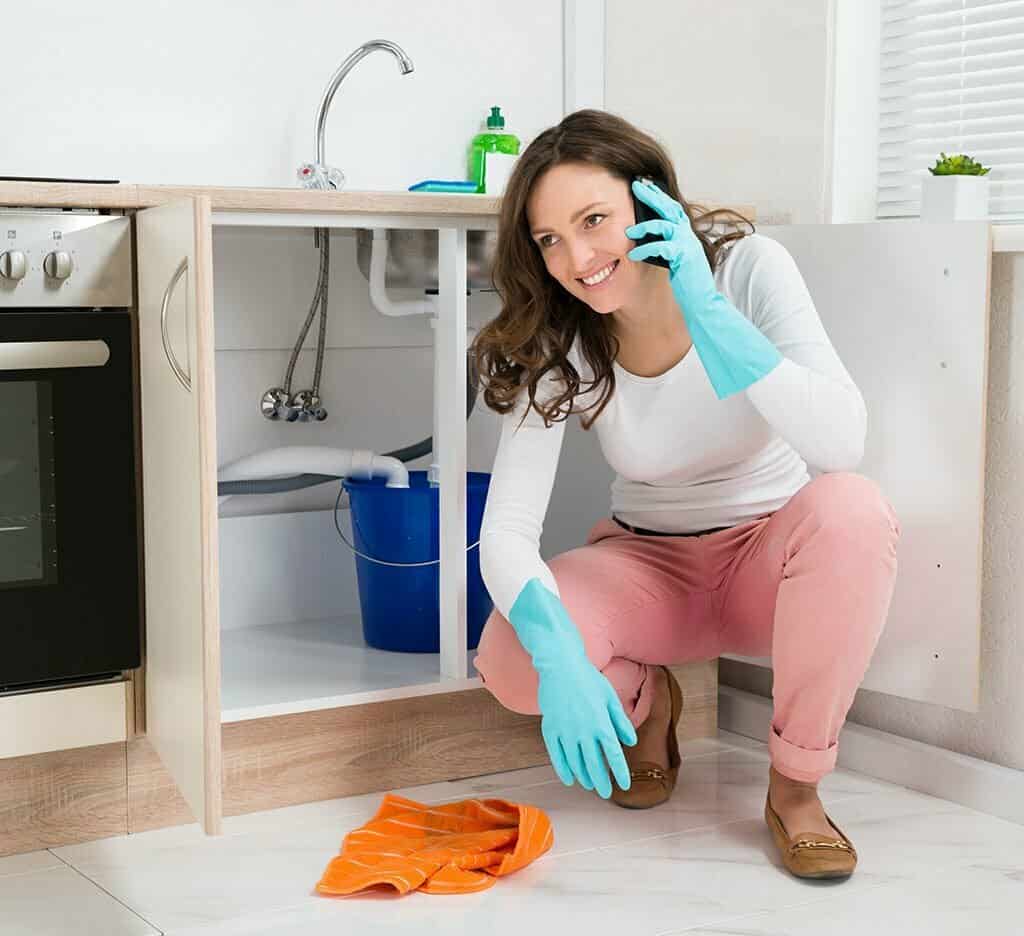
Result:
[
  {"x": 62, "y": 798},
  {"x": 179, "y": 481}
]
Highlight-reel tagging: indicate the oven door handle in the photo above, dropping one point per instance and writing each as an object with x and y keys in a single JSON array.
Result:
[
  {"x": 184, "y": 379},
  {"x": 46, "y": 355}
]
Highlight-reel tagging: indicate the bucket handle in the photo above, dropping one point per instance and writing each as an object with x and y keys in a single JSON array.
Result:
[{"x": 341, "y": 491}]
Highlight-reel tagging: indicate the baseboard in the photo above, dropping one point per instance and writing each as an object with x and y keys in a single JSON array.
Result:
[{"x": 978, "y": 784}]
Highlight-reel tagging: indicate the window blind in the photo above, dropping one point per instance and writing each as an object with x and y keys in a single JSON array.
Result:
[{"x": 952, "y": 81}]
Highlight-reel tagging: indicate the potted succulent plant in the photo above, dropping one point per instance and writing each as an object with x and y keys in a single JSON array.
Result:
[{"x": 954, "y": 190}]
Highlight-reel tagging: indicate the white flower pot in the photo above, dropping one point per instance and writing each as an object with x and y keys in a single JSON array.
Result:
[{"x": 954, "y": 197}]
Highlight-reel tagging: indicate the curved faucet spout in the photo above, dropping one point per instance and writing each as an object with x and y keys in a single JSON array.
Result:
[{"x": 404, "y": 64}]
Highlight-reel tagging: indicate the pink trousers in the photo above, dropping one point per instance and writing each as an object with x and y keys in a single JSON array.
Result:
[{"x": 808, "y": 585}]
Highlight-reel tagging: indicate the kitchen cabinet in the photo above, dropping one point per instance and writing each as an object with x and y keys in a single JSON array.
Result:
[
  {"x": 185, "y": 761},
  {"x": 179, "y": 479}
]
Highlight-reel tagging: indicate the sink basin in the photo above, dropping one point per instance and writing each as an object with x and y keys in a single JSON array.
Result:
[{"x": 412, "y": 258}]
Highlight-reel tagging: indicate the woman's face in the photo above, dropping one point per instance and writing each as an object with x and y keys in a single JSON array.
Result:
[{"x": 577, "y": 217}]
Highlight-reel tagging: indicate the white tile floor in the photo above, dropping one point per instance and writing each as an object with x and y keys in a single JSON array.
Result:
[{"x": 703, "y": 863}]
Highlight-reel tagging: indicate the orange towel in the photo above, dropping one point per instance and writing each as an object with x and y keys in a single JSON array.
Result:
[{"x": 453, "y": 848}]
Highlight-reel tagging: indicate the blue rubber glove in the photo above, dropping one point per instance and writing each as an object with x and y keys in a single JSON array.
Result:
[
  {"x": 734, "y": 353},
  {"x": 582, "y": 716}
]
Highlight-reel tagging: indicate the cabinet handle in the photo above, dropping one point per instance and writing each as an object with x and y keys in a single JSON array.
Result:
[{"x": 184, "y": 379}]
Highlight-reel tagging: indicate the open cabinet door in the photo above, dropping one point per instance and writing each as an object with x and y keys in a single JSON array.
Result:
[
  {"x": 179, "y": 471},
  {"x": 906, "y": 305}
]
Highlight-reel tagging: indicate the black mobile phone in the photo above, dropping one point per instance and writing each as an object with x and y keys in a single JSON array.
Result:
[{"x": 644, "y": 212}]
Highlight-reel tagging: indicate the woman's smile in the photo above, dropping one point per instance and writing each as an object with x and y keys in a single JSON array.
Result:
[{"x": 601, "y": 277}]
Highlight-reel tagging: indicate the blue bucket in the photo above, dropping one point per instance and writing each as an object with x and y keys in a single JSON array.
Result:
[{"x": 402, "y": 606}]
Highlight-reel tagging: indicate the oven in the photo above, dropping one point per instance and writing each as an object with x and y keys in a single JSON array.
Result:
[{"x": 69, "y": 539}]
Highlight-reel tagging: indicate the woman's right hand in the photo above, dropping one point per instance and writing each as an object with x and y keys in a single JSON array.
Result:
[
  {"x": 583, "y": 718},
  {"x": 583, "y": 723}
]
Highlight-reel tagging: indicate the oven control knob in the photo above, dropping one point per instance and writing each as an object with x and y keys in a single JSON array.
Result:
[
  {"x": 57, "y": 265},
  {"x": 12, "y": 264}
]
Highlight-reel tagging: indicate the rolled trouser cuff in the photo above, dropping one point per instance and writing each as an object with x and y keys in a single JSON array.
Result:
[{"x": 800, "y": 764}]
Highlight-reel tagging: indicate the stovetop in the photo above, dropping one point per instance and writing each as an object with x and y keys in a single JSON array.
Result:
[{"x": 14, "y": 178}]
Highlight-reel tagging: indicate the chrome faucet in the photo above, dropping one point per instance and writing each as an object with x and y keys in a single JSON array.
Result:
[
  {"x": 306, "y": 405},
  {"x": 319, "y": 175}
]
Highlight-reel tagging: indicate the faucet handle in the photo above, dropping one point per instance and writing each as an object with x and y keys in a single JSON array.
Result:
[{"x": 314, "y": 175}]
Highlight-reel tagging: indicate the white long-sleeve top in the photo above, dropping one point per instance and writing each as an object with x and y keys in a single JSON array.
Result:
[{"x": 685, "y": 460}]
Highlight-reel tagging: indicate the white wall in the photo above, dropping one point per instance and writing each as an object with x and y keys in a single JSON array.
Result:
[
  {"x": 857, "y": 59},
  {"x": 763, "y": 137},
  {"x": 226, "y": 92},
  {"x": 737, "y": 91}
]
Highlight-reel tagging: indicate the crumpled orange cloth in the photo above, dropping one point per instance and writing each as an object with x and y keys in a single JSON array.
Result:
[{"x": 452, "y": 848}]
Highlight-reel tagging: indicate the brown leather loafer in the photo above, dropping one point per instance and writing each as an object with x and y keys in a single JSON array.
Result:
[
  {"x": 812, "y": 856},
  {"x": 651, "y": 784}
]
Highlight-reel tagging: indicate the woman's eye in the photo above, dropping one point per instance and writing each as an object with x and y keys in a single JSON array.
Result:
[{"x": 543, "y": 240}]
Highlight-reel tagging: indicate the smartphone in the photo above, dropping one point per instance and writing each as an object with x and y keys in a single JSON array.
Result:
[{"x": 644, "y": 212}]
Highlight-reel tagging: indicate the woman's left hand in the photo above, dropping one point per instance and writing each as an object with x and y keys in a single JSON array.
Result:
[{"x": 734, "y": 353}]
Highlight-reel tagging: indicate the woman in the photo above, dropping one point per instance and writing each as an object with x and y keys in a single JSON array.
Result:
[{"x": 712, "y": 385}]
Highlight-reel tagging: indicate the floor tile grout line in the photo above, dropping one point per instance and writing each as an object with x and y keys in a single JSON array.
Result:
[{"x": 113, "y": 897}]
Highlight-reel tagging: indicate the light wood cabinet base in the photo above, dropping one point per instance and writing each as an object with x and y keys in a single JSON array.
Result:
[
  {"x": 67, "y": 797},
  {"x": 291, "y": 759},
  {"x": 62, "y": 798}
]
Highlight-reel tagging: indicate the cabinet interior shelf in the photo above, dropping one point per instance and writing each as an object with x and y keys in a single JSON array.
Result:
[{"x": 304, "y": 666}]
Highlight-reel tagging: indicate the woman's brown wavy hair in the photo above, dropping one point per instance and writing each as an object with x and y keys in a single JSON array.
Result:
[{"x": 539, "y": 319}]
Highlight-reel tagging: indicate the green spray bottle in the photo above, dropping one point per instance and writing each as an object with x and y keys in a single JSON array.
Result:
[{"x": 493, "y": 139}]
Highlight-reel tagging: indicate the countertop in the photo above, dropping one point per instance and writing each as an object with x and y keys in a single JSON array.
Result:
[{"x": 131, "y": 196}]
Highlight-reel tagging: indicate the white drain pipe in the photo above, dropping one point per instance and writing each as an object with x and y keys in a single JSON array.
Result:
[
  {"x": 290, "y": 460},
  {"x": 378, "y": 291}
]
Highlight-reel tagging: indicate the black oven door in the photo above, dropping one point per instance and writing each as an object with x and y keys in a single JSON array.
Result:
[{"x": 69, "y": 593}]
